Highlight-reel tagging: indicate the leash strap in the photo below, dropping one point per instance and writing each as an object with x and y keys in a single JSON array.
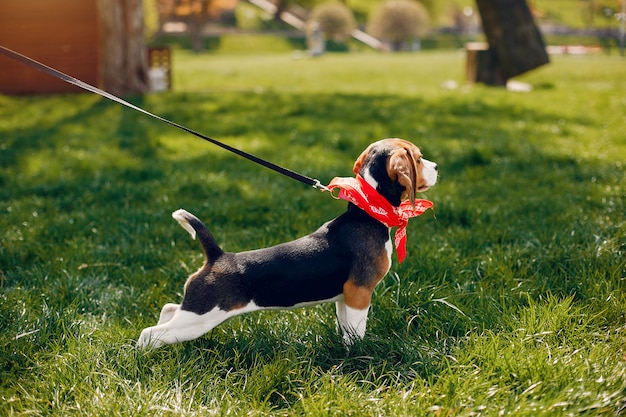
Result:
[{"x": 71, "y": 80}]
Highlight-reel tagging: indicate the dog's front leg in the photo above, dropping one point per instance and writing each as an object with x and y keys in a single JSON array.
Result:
[
  {"x": 340, "y": 307},
  {"x": 351, "y": 321}
]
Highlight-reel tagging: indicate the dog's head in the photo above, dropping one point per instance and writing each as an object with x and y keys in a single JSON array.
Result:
[{"x": 396, "y": 169}]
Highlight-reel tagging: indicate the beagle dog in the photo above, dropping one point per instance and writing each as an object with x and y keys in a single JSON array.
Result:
[{"x": 341, "y": 262}]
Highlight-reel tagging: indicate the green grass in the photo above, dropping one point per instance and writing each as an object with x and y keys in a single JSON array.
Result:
[{"x": 512, "y": 301}]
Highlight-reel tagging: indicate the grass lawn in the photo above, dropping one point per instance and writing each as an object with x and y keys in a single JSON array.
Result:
[{"x": 512, "y": 300}]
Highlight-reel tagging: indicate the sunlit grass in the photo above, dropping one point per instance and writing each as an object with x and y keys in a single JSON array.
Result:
[{"x": 511, "y": 300}]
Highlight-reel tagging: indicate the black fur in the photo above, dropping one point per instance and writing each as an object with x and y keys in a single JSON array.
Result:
[{"x": 312, "y": 268}]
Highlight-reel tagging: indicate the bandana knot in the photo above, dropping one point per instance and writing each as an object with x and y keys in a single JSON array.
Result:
[{"x": 358, "y": 192}]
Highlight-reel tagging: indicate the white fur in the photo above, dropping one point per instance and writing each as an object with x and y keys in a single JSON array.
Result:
[
  {"x": 351, "y": 322},
  {"x": 429, "y": 172},
  {"x": 179, "y": 216},
  {"x": 176, "y": 325},
  {"x": 367, "y": 176},
  {"x": 185, "y": 325}
]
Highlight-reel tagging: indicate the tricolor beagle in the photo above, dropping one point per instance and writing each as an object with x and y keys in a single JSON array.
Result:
[{"x": 340, "y": 262}]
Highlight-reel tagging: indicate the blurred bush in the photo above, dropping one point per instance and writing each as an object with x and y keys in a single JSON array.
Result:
[
  {"x": 399, "y": 22},
  {"x": 334, "y": 20}
]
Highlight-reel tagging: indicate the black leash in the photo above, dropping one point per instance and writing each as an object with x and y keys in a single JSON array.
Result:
[{"x": 58, "y": 74}]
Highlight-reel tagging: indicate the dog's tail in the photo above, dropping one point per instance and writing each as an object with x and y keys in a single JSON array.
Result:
[{"x": 194, "y": 226}]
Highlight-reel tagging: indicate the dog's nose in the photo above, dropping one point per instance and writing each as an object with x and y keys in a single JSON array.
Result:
[{"x": 436, "y": 167}]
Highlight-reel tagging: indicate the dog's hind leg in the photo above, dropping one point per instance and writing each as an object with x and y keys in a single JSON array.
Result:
[
  {"x": 183, "y": 326},
  {"x": 167, "y": 312}
]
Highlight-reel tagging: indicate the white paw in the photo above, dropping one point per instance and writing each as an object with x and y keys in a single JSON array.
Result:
[
  {"x": 353, "y": 324},
  {"x": 351, "y": 335},
  {"x": 147, "y": 341}
]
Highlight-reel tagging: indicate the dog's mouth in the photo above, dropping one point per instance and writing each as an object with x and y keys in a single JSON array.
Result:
[
  {"x": 428, "y": 182},
  {"x": 429, "y": 175}
]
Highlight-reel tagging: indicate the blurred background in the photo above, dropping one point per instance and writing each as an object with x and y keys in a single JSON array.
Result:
[{"x": 97, "y": 41}]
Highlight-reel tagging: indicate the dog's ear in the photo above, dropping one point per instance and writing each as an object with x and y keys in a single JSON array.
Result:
[
  {"x": 359, "y": 161},
  {"x": 402, "y": 167}
]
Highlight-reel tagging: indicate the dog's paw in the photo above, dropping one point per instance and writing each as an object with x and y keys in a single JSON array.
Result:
[
  {"x": 147, "y": 341},
  {"x": 350, "y": 338}
]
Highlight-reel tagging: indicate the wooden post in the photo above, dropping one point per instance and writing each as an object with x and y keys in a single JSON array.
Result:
[{"x": 515, "y": 43}]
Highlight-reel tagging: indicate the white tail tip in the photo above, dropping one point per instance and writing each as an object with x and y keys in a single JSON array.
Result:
[{"x": 180, "y": 216}]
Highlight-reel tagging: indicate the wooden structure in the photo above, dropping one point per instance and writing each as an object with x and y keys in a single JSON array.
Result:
[
  {"x": 183, "y": 10},
  {"x": 160, "y": 68},
  {"x": 192, "y": 16},
  {"x": 63, "y": 34}
]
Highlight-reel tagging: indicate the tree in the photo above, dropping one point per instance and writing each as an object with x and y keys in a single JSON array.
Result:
[
  {"x": 124, "y": 66},
  {"x": 399, "y": 21},
  {"x": 515, "y": 43}
]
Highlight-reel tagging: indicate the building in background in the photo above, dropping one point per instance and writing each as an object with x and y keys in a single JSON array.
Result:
[{"x": 63, "y": 34}]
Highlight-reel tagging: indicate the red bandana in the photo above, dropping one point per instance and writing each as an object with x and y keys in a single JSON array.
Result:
[{"x": 360, "y": 193}]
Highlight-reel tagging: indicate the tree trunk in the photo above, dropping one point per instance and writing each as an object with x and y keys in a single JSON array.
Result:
[
  {"x": 124, "y": 66},
  {"x": 515, "y": 43},
  {"x": 195, "y": 35}
]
